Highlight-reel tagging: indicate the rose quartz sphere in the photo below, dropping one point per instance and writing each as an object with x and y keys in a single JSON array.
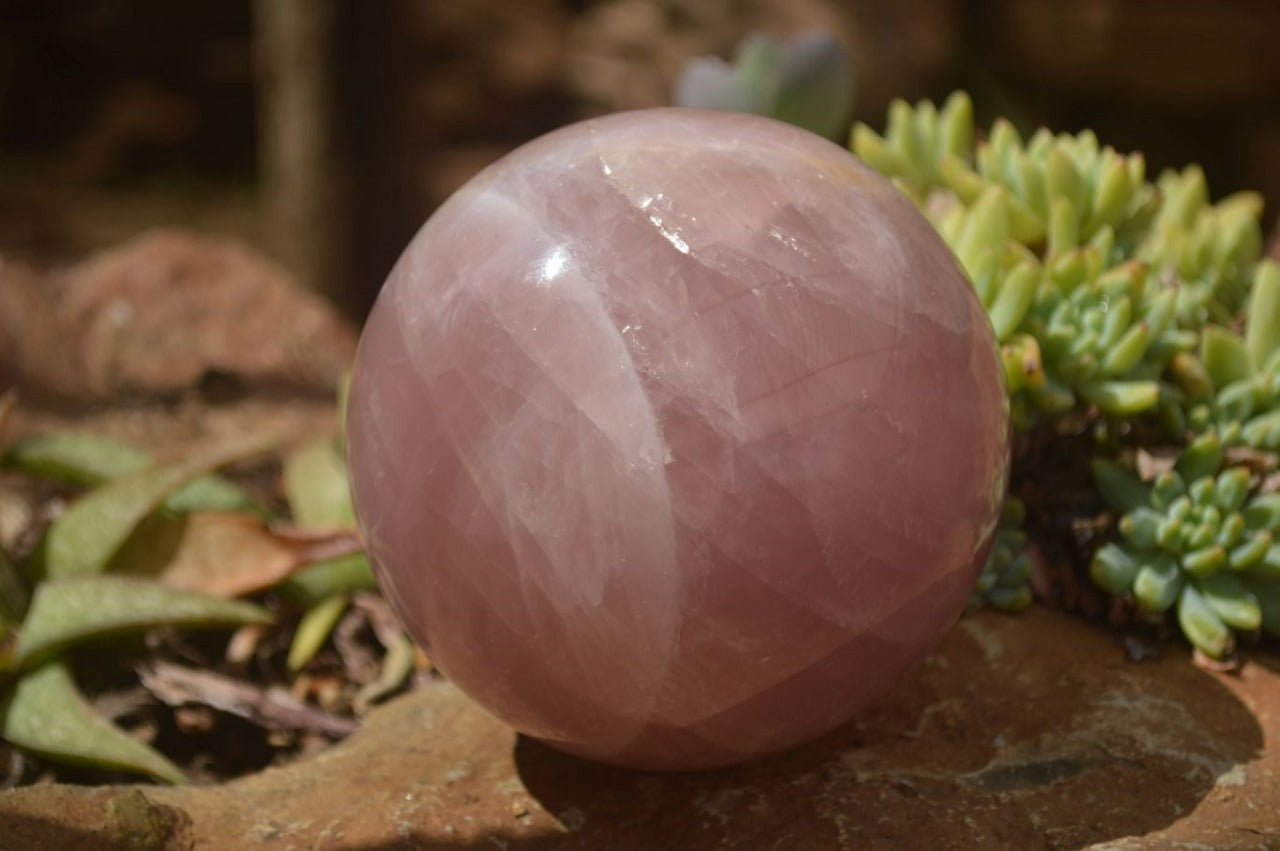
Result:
[{"x": 676, "y": 437}]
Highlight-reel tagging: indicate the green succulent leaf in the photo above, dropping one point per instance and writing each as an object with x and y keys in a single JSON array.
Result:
[
  {"x": 68, "y": 611},
  {"x": 1231, "y": 600},
  {"x": 1202, "y": 458},
  {"x": 1225, "y": 356},
  {"x": 43, "y": 712},
  {"x": 1202, "y": 625},
  {"x": 1122, "y": 490},
  {"x": 1262, "y": 331},
  {"x": 1157, "y": 584},
  {"x": 1122, "y": 398},
  {"x": 1114, "y": 569}
]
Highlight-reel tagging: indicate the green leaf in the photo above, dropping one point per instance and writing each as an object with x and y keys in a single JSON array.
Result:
[
  {"x": 314, "y": 583},
  {"x": 315, "y": 484},
  {"x": 43, "y": 713},
  {"x": 314, "y": 629},
  {"x": 1113, "y": 570},
  {"x": 1262, "y": 329},
  {"x": 1267, "y": 593},
  {"x": 1014, "y": 299},
  {"x": 1225, "y": 356},
  {"x": 85, "y": 537},
  {"x": 1122, "y": 398},
  {"x": 1231, "y": 600},
  {"x": 68, "y": 611},
  {"x": 1263, "y": 432},
  {"x": 85, "y": 460},
  {"x": 1157, "y": 585},
  {"x": 1201, "y": 624},
  {"x": 1201, "y": 458},
  {"x": 1122, "y": 490},
  {"x": 815, "y": 84}
]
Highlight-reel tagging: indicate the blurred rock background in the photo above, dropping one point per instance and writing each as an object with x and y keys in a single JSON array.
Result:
[{"x": 325, "y": 131}]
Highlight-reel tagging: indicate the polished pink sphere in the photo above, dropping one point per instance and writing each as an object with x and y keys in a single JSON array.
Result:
[{"x": 676, "y": 437}]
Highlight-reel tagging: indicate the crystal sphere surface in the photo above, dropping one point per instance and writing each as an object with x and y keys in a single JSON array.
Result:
[{"x": 677, "y": 436}]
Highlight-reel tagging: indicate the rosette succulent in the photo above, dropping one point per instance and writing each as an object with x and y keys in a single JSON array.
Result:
[{"x": 1115, "y": 301}]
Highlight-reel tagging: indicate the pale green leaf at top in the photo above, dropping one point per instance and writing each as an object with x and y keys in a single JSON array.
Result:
[
  {"x": 315, "y": 485},
  {"x": 43, "y": 712},
  {"x": 65, "y": 612},
  {"x": 85, "y": 537},
  {"x": 86, "y": 460}
]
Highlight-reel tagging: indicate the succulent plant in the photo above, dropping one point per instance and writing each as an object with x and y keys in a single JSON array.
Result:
[
  {"x": 807, "y": 81},
  {"x": 1115, "y": 298},
  {"x": 1197, "y": 540},
  {"x": 1004, "y": 582}
]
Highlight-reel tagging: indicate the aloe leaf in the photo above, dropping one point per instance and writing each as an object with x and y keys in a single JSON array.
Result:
[
  {"x": 85, "y": 537},
  {"x": 68, "y": 611},
  {"x": 315, "y": 484},
  {"x": 314, "y": 629},
  {"x": 86, "y": 460},
  {"x": 314, "y": 583},
  {"x": 43, "y": 712}
]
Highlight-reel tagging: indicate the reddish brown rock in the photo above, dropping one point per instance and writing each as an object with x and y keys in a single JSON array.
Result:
[
  {"x": 155, "y": 315},
  {"x": 1020, "y": 732}
]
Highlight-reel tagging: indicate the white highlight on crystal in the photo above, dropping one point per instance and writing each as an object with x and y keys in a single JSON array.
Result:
[
  {"x": 671, "y": 236},
  {"x": 552, "y": 265}
]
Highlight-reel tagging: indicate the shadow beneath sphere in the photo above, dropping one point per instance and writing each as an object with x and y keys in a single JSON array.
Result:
[{"x": 1017, "y": 732}]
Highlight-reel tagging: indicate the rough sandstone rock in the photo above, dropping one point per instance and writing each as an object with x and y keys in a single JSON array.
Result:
[
  {"x": 1020, "y": 732},
  {"x": 156, "y": 314}
]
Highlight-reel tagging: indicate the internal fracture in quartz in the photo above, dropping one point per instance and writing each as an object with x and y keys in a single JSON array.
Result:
[{"x": 676, "y": 437}]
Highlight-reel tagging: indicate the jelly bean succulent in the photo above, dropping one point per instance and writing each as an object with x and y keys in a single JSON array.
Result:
[{"x": 1116, "y": 302}]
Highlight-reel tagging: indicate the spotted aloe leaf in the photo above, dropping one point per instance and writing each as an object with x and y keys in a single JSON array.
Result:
[{"x": 43, "y": 712}]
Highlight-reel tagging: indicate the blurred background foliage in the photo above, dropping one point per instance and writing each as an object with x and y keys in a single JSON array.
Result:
[{"x": 325, "y": 131}]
